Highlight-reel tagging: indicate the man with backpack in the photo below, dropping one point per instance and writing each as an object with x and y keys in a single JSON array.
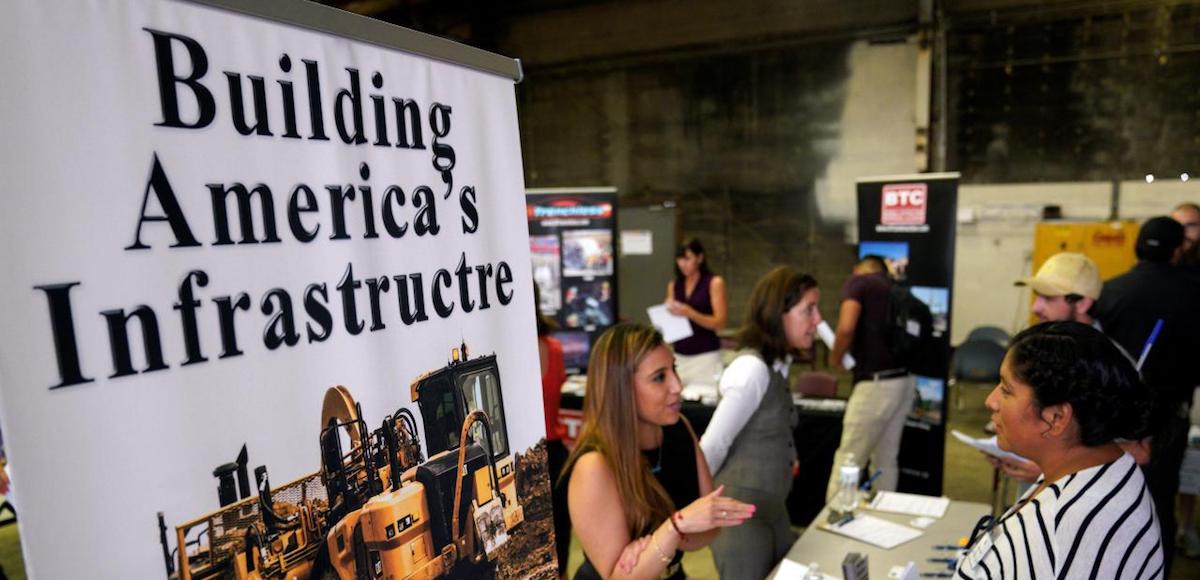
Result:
[{"x": 884, "y": 387}]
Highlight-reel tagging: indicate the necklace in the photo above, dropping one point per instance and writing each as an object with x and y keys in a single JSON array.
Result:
[{"x": 657, "y": 467}]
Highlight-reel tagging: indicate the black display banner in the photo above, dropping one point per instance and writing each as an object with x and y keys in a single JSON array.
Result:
[
  {"x": 910, "y": 221},
  {"x": 572, "y": 242}
]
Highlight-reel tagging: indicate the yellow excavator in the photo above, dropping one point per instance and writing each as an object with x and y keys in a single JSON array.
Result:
[
  {"x": 376, "y": 509},
  {"x": 274, "y": 534}
]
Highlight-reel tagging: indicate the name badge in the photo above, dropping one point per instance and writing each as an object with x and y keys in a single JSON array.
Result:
[{"x": 982, "y": 545}]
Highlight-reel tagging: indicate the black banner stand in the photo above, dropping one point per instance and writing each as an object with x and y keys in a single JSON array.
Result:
[
  {"x": 910, "y": 221},
  {"x": 573, "y": 243}
]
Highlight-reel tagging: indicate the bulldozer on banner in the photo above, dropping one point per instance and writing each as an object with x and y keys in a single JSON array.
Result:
[{"x": 377, "y": 508}]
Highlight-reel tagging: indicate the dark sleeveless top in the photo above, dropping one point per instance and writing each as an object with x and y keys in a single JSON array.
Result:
[
  {"x": 702, "y": 339},
  {"x": 677, "y": 474}
]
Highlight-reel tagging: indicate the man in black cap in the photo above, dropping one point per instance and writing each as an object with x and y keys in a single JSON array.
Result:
[{"x": 1153, "y": 312}]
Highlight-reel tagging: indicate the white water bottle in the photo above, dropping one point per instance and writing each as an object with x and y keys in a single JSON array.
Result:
[{"x": 847, "y": 497}]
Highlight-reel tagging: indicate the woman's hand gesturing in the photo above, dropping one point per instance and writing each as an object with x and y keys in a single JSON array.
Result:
[{"x": 712, "y": 511}]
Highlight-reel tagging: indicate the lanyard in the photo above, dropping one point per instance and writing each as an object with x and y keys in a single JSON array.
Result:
[{"x": 984, "y": 526}]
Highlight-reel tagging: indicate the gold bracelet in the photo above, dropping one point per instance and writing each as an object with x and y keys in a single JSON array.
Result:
[{"x": 661, "y": 555}]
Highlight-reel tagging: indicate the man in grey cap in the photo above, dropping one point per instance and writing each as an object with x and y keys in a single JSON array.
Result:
[{"x": 1153, "y": 312}]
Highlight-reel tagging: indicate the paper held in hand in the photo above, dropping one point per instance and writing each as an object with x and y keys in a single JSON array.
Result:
[
  {"x": 825, "y": 333},
  {"x": 672, "y": 326},
  {"x": 988, "y": 446}
]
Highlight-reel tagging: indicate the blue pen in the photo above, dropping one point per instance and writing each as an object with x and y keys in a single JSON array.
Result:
[
  {"x": 1149, "y": 343},
  {"x": 936, "y": 575},
  {"x": 867, "y": 484},
  {"x": 946, "y": 547}
]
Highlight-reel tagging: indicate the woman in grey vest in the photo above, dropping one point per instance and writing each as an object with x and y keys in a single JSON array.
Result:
[{"x": 748, "y": 444}]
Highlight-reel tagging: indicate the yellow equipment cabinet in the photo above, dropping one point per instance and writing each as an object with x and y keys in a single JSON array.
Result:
[{"x": 1109, "y": 244}]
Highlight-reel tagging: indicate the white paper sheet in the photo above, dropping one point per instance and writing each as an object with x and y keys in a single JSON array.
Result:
[
  {"x": 875, "y": 531},
  {"x": 825, "y": 333},
  {"x": 988, "y": 446},
  {"x": 789, "y": 570},
  {"x": 637, "y": 242},
  {"x": 672, "y": 327},
  {"x": 905, "y": 572},
  {"x": 912, "y": 504}
]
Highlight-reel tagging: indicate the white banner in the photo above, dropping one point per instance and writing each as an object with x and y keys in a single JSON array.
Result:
[{"x": 207, "y": 220}]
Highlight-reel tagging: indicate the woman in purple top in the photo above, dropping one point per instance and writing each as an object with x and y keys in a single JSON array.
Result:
[{"x": 699, "y": 295}]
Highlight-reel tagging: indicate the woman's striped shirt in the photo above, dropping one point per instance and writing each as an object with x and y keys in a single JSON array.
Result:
[{"x": 1096, "y": 523}]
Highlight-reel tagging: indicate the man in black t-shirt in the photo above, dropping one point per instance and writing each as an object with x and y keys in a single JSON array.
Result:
[
  {"x": 1156, "y": 293},
  {"x": 883, "y": 389}
]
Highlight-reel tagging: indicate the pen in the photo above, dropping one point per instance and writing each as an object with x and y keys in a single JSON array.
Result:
[
  {"x": 867, "y": 484},
  {"x": 1149, "y": 343},
  {"x": 946, "y": 547},
  {"x": 936, "y": 575},
  {"x": 941, "y": 560}
]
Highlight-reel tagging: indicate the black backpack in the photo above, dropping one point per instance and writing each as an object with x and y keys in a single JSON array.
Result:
[{"x": 909, "y": 329}]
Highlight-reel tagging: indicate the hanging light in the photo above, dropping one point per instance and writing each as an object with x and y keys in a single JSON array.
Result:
[
  {"x": 1184, "y": 176},
  {"x": 1149, "y": 178}
]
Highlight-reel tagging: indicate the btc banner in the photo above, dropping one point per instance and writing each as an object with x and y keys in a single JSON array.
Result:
[
  {"x": 267, "y": 301},
  {"x": 910, "y": 222}
]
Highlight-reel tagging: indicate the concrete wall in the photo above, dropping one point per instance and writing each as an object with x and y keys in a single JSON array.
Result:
[
  {"x": 1098, "y": 92},
  {"x": 875, "y": 130},
  {"x": 616, "y": 33},
  {"x": 759, "y": 148}
]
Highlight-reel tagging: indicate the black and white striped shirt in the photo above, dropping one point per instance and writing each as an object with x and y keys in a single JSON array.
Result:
[{"x": 1096, "y": 523}]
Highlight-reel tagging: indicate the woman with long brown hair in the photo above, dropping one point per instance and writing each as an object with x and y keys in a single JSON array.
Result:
[
  {"x": 637, "y": 463},
  {"x": 749, "y": 441}
]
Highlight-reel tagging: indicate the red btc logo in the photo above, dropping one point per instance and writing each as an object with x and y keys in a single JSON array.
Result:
[
  {"x": 904, "y": 204},
  {"x": 570, "y": 422}
]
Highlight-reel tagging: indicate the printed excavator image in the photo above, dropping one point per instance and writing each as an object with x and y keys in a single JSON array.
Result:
[{"x": 377, "y": 508}]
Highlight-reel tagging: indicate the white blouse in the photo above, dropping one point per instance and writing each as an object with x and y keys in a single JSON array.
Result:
[{"x": 742, "y": 387}]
